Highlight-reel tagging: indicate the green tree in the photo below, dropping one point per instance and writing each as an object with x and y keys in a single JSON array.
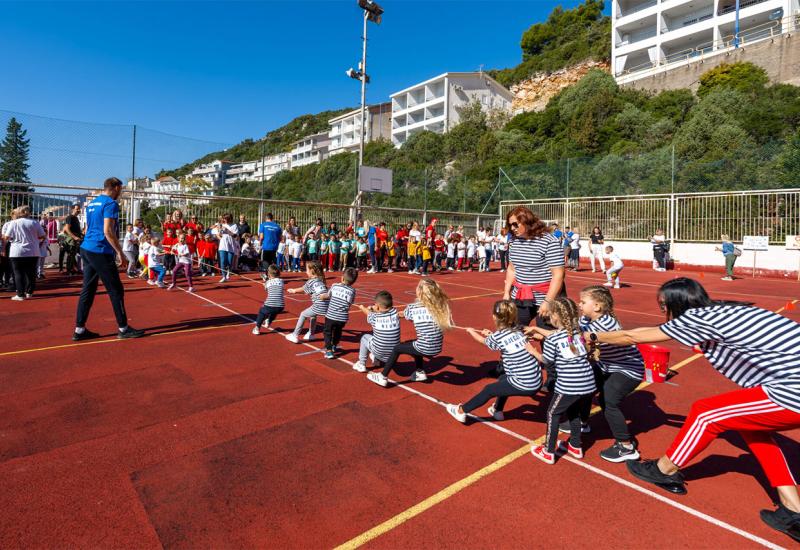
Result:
[
  {"x": 745, "y": 77},
  {"x": 15, "y": 154}
]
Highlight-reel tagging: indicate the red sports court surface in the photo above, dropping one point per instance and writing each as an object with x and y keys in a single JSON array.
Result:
[{"x": 202, "y": 435}]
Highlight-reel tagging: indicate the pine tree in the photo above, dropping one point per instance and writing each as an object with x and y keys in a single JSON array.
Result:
[{"x": 14, "y": 155}]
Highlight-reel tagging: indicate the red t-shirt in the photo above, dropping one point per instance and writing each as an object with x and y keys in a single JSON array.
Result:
[
  {"x": 190, "y": 242},
  {"x": 167, "y": 243},
  {"x": 439, "y": 245},
  {"x": 382, "y": 236},
  {"x": 207, "y": 249},
  {"x": 173, "y": 225},
  {"x": 430, "y": 233},
  {"x": 402, "y": 236}
]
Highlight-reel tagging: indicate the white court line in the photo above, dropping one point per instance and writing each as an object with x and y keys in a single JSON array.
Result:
[{"x": 624, "y": 482}]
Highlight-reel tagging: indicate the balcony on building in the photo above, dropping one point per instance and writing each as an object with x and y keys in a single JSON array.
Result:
[
  {"x": 626, "y": 8},
  {"x": 637, "y": 31}
]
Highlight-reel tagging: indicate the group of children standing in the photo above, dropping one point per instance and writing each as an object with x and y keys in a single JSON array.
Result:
[{"x": 581, "y": 368}]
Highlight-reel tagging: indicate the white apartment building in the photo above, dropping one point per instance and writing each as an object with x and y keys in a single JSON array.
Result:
[
  {"x": 433, "y": 105},
  {"x": 214, "y": 173},
  {"x": 310, "y": 150},
  {"x": 649, "y": 36},
  {"x": 345, "y": 129}
]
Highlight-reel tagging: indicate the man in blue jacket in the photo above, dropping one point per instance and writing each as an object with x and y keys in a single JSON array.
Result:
[{"x": 269, "y": 233}]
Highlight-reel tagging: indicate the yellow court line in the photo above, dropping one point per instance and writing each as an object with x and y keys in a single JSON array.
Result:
[{"x": 462, "y": 484}]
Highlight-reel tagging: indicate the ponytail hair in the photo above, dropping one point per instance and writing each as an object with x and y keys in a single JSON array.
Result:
[{"x": 569, "y": 316}]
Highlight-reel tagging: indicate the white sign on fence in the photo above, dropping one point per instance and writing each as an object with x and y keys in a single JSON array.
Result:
[
  {"x": 755, "y": 242},
  {"x": 792, "y": 242}
]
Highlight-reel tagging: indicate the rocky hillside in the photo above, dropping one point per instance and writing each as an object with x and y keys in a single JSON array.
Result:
[{"x": 532, "y": 94}]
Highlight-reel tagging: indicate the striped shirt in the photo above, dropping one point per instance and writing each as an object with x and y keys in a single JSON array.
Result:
[
  {"x": 315, "y": 288},
  {"x": 574, "y": 375},
  {"x": 521, "y": 368},
  {"x": 532, "y": 260},
  {"x": 623, "y": 359},
  {"x": 429, "y": 335},
  {"x": 748, "y": 345},
  {"x": 385, "y": 333},
  {"x": 342, "y": 297},
  {"x": 274, "y": 288}
]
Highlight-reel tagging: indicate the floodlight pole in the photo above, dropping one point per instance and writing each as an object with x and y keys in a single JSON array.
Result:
[
  {"x": 736, "y": 29},
  {"x": 357, "y": 202}
]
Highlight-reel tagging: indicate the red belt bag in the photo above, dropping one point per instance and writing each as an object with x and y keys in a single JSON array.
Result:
[{"x": 525, "y": 292}]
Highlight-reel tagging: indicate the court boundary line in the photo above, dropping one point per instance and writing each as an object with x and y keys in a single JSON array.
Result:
[{"x": 425, "y": 505}]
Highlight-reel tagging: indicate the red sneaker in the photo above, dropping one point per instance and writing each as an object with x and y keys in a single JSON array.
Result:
[
  {"x": 575, "y": 452},
  {"x": 541, "y": 453}
]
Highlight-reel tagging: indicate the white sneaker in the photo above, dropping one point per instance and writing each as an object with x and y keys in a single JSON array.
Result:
[
  {"x": 28, "y": 296},
  {"x": 151, "y": 282},
  {"x": 418, "y": 376},
  {"x": 255, "y": 331},
  {"x": 265, "y": 324},
  {"x": 494, "y": 413},
  {"x": 371, "y": 271},
  {"x": 616, "y": 286},
  {"x": 358, "y": 366},
  {"x": 190, "y": 289},
  {"x": 450, "y": 269},
  {"x": 378, "y": 378},
  {"x": 308, "y": 336},
  {"x": 17, "y": 299},
  {"x": 292, "y": 338},
  {"x": 222, "y": 279},
  {"x": 453, "y": 410},
  {"x": 608, "y": 284},
  {"x": 160, "y": 285}
]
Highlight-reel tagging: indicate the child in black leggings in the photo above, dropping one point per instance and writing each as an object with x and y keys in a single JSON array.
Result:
[{"x": 522, "y": 376}]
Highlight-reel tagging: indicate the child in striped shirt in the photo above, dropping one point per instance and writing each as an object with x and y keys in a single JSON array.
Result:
[
  {"x": 618, "y": 370},
  {"x": 522, "y": 374},
  {"x": 315, "y": 287},
  {"x": 385, "y": 323},
  {"x": 431, "y": 317},
  {"x": 340, "y": 297},
  {"x": 274, "y": 303},
  {"x": 564, "y": 348}
]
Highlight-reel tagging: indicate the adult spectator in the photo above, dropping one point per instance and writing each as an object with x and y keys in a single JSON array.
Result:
[
  {"x": 535, "y": 274},
  {"x": 243, "y": 227},
  {"x": 52, "y": 228},
  {"x": 25, "y": 235},
  {"x": 193, "y": 224},
  {"x": 757, "y": 349},
  {"x": 313, "y": 232},
  {"x": 269, "y": 233},
  {"x": 371, "y": 231},
  {"x": 6, "y": 271},
  {"x": 597, "y": 248},
  {"x": 72, "y": 238},
  {"x": 227, "y": 234},
  {"x": 730, "y": 252},
  {"x": 502, "y": 248},
  {"x": 175, "y": 222},
  {"x": 660, "y": 249},
  {"x": 99, "y": 252}
]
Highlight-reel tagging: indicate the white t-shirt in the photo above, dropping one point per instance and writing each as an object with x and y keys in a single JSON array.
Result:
[
  {"x": 130, "y": 241},
  {"x": 471, "y": 250},
  {"x": 616, "y": 261},
  {"x": 25, "y": 235},
  {"x": 225, "y": 234},
  {"x": 481, "y": 236},
  {"x": 296, "y": 249},
  {"x": 155, "y": 256},
  {"x": 183, "y": 253},
  {"x": 415, "y": 234},
  {"x": 481, "y": 252},
  {"x": 281, "y": 247},
  {"x": 461, "y": 249},
  {"x": 575, "y": 241},
  {"x": 451, "y": 250}
]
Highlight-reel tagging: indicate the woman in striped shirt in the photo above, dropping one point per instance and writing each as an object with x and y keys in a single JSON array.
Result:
[
  {"x": 315, "y": 287},
  {"x": 431, "y": 317},
  {"x": 618, "y": 371},
  {"x": 754, "y": 348},
  {"x": 523, "y": 375},
  {"x": 274, "y": 303}
]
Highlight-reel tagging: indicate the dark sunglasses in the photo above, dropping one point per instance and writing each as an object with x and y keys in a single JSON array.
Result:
[{"x": 513, "y": 225}]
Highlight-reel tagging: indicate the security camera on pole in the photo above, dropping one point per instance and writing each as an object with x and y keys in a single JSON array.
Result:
[{"x": 372, "y": 12}]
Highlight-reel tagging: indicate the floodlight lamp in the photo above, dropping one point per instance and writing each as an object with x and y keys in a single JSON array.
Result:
[
  {"x": 352, "y": 73},
  {"x": 372, "y": 9}
]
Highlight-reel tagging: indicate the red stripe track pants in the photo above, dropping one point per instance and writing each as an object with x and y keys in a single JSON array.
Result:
[{"x": 749, "y": 412}]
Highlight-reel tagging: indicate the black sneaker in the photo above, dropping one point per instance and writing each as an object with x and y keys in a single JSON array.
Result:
[
  {"x": 619, "y": 453},
  {"x": 85, "y": 335},
  {"x": 783, "y": 520},
  {"x": 130, "y": 332},
  {"x": 647, "y": 470},
  {"x": 564, "y": 428}
]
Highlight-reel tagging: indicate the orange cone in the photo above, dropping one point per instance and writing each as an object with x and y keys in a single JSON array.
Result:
[{"x": 789, "y": 305}]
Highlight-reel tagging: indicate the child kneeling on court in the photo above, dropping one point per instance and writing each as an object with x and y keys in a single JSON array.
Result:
[
  {"x": 615, "y": 269},
  {"x": 565, "y": 350},
  {"x": 522, "y": 374},
  {"x": 315, "y": 287},
  {"x": 618, "y": 370},
  {"x": 385, "y": 323},
  {"x": 274, "y": 303},
  {"x": 340, "y": 297},
  {"x": 431, "y": 317}
]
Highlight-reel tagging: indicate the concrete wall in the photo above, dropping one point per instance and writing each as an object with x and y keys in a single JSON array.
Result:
[
  {"x": 777, "y": 262},
  {"x": 780, "y": 57}
]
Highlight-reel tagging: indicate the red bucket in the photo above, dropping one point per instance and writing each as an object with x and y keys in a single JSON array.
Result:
[{"x": 656, "y": 362}]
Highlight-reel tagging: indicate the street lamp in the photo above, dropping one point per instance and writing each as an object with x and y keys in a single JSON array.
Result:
[{"x": 372, "y": 12}]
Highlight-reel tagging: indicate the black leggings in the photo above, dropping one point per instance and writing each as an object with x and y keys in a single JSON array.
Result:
[
  {"x": 98, "y": 267},
  {"x": 403, "y": 348},
  {"x": 267, "y": 312},
  {"x": 614, "y": 387},
  {"x": 25, "y": 274},
  {"x": 502, "y": 390},
  {"x": 333, "y": 333},
  {"x": 572, "y": 405}
]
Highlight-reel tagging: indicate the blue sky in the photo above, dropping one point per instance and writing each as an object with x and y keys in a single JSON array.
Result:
[{"x": 224, "y": 71}]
